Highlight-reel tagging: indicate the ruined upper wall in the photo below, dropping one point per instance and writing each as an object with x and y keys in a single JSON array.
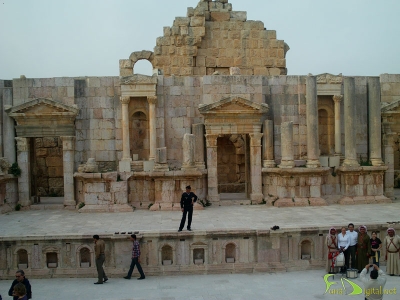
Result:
[{"x": 214, "y": 38}]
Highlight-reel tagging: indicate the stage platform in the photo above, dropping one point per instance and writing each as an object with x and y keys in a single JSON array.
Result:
[{"x": 225, "y": 239}]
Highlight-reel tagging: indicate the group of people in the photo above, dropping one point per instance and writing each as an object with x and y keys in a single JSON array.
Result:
[
  {"x": 358, "y": 248},
  {"x": 20, "y": 288},
  {"x": 187, "y": 201}
]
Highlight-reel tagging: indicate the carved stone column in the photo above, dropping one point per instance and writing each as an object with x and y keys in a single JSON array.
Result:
[
  {"x": 338, "y": 130},
  {"x": 388, "y": 144},
  {"x": 152, "y": 126},
  {"x": 374, "y": 121},
  {"x": 68, "y": 143},
  {"x": 24, "y": 185},
  {"x": 125, "y": 163},
  {"x": 268, "y": 144},
  {"x": 198, "y": 131},
  {"x": 312, "y": 123},
  {"x": 8, "y": 128},
  {"x": 188, "y": 146},
  {"x": 287, "y": 145},
  {"x": 349, "y": 121},
  {"x": 212, "y": 165},
  {"x": 255, "y": 167}
]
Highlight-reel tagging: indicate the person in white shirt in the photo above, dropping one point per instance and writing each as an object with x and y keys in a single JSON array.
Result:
[
  {"x": 343, "y": 244},
  {"x": 373, "y": 286},
  {"x": 351, "y": 252}
]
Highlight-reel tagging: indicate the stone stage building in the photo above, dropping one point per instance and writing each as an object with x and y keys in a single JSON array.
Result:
[{"x": 220, "y": 114}]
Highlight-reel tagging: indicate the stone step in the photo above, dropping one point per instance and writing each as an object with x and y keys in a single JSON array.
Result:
[
  {"x": 47, "y": 206},
  {"x": 234, "y": 202}
]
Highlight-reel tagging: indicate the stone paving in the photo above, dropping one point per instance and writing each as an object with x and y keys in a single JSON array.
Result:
[
  {"x": 64, "y": 222},
  {"x": 277, "y": 286}
]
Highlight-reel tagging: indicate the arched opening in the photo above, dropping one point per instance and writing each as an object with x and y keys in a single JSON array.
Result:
[
  {"x": 231, "y": 160},
  {"x": 22, "y": 259},
  {"x": 305, "y": 249},
  {"x": 139, "y": 135},
  {"x": 198, "y": 256},
  {"x": 84, "y": 258},
  {"x": 143, "y": 67},
  {"x": 230, "y": 253},
  {"x": 51, "y": 259},
  {"x": 167, "y": 255}
]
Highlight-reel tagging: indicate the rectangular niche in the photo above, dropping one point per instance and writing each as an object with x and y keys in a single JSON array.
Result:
[
  {"x": 198, "y": 256},
  {"x": 51, "y": 260}
]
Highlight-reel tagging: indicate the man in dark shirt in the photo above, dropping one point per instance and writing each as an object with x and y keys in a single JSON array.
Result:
[
  {"x": 20, "y": 278},
  {"x": 187, "y": 200}
]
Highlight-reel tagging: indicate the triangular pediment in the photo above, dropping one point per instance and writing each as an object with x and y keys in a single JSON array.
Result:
[
  {"x": 234, "y": 105},
  {"x": 42, "y": 107}
]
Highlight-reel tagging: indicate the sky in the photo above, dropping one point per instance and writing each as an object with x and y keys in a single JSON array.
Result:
[{"x": 55, "y": 38}]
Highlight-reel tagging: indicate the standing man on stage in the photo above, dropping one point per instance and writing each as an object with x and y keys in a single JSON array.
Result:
[
  {"x": 351, "y": 251},
  {"x": 187, "y": 200}
]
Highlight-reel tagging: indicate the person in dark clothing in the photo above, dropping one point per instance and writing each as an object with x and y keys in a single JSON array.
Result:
[
  {"x": 187, "y": 200},
  {"x": 20, "y": 278}
]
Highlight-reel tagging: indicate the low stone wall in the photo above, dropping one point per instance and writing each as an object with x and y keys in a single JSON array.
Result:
[{"x": 169, "y": 253}]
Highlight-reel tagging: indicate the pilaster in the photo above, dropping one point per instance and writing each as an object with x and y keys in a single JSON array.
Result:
[
  {"x": 152, "y": 100},
  {"x": 255, "y": 167},
  {"x": 287, "y": 145},
  {"x": 268, "y": 144},
  {"x": 24, "y": 186},
  {"x": 312, "y": 123},
  {"x": 125, "y": 163},
  {"x": 337, "y": 99},
  {"x": 212, "y": 164},
  {"x": 68, "y": 143}
]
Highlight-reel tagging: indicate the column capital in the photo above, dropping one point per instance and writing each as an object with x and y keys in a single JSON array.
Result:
[
  {"x": 125, "y": 99},
  {"x": 255, "y": 139},
  {"x": 68, "y": 142},
  {"x": 22, "y": 144},
  {"x": 152, "y": 99},
  {"x": 337, "y": 98},
  {"x": 211, "y": 140}
]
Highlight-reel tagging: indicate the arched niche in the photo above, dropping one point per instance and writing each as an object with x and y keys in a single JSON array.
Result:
[
  {"x": 85, "y": 256},
  {"x": 326, "y": 125},
  {"x": 231, "y": 251},
  {"x": 166, "y": 255},
  {"x": 306, "y": 249},
  {"x": 22, "y": 258}
]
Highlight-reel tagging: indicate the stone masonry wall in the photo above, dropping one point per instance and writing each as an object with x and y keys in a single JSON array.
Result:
[{"x": 212, "y": 38}]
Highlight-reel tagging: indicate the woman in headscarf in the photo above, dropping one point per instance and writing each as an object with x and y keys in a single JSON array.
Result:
[
  {"x": 392, "y": 244},
  {"x": 332, "y": 244},
  {"x": 363, "y": 248}
]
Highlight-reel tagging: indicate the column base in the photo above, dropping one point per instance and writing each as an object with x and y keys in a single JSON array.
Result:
[
  {"x": 269, "y": 164},
  {"x": 377, "y": 162},
  {"x": 124, "y": 165},
  {"x": 350, "y": 163},
  {"x": 256, "y": 198},
  {"x": 200, "y": 165},
  {"x": 313, "y": 163},
  {"x": 286, "y": 164},
  {"x": 69, "y": 202}
]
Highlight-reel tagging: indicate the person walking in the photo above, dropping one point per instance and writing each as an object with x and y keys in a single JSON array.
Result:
[
  {"x": 187, "y": 200},
  {"x": 135, "y": 259},
  {"x": 99, "y": 249},
  {"x": 20, "y": 278}
]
